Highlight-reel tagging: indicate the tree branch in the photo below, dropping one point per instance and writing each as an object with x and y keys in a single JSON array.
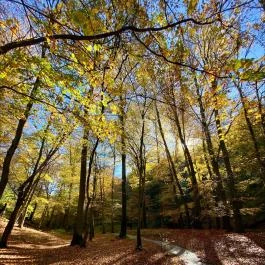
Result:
[{"x": 33, "y": 41}]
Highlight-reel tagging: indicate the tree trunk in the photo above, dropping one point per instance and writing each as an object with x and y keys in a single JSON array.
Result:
[
  {"x": 24, "y": 190},
  {"x": 195, "y": 189},
  {"x": 226, "y": 218},
  {"x": 28, "y": 200},
  {"x": 43, "y": 215},
  {"x": 49, "y": 223},
  {"x": 123, "y": 230},
  {"x": 91, "y": 224},
  {"x": 102, "y": 199},
  {"x": 11, "y": 222},
  {"x": 22, "y": 194},
  {"x": 172, "y": 168},
  {"x": 157, "y": 144},
  {"x": 70, "y": 190},
  {"x": 112, "y": 191},
  {"x": 91, "y": 212},
  {"x": 144, "y": 222},
  {"x": 79, "y": 221},
  {"x": 67, "y": 210},
  {"x": 2, "y": 210},
  {"x": 260, "y": 107},
  {"x": 141, "y": 171},
  {"x": 89, "y": 199},
  {"x": 230, "y": 175},
  {"x": 251, "y": 130},
  {"x": 214, "y": 163},
  {"x": 33, "y": 212},
  {"x": 19, "y": 131}
]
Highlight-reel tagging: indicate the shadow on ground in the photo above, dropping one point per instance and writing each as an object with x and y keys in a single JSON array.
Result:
[{"x": 29, "y": 246}]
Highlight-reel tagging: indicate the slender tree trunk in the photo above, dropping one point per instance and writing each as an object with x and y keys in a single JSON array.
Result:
[
  {"x": 260, "y": 107},
  {"x": 138, "y": 235},
  {"x": 70, "y": 190},
  {"x": 43, "y": 215},
  {"x": 2, "y": 210},
  {"x": 157, "y": 144},
  {"x": 28, "y": 200},
  {"x": 25, "y": 188},
  {"x": 141, "y": 171},
  {"x": 79, "y": 221},
  {"x": 251, "y": 129},
  {"x": 89, "y": 199},
  {"x": 123, "y": 230},
  {"x": 214, "y": 163},
  {"x": 226, "y": 218},
  {"x": 91, "y": 213},
  {"x": 195, "y": 189},
  {"x": 49, "y": 223},
  {"x": 68, "y": 207},
  {"x": 22, "y": 217},
  {"x": 102, "y": 200},
  {"x": 91, "y": 224},
  {"x": 22, "y": 194},
  {"x": 33, "y": 212},
  {"x": 206, "y": 160},
  {"x": 19, "y": 131},
  {"x": 112, "y": 191},
  {"x": 11, "y": 222},
  {"x": 144, "y": 222},
  {"x": 230, "y": 175},
  {"x": 172, "y": 168},
  {"x": 15, "y": 142}
]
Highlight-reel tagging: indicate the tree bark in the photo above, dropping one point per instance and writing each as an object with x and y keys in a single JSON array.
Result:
[
  {"x": 251, "y": 129},
  {"x": 79, "y": 221},
  {"x": 24, "y": 189},
  {"x": 141, "y": 172},
  {"x": 89, "y": 199},
  {"x": 195, "y": 190},
  {"x": 19, "y": 131},
  {"x": 12, "y": 220},
  {"x": 102, "y": 200},
  {"x": 28, "y": 200},
  {"x": 214, "y": 163},
  {"x": 112, "y": 191},
  {"x": 91, "y": 212},
  {"x": 260, "y": 107},
  {"x": 22, "y": 194},
  {"x": 123, "y": 229},
  {"x": 230, "y": 175},
  {"x": 175, "y": 179}
]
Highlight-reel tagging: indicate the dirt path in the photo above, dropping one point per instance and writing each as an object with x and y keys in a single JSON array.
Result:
[
  {"x": 28, "y": 246},
  {"x": 188, "y": 257}
]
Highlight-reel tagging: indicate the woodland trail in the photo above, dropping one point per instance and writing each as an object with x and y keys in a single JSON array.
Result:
[
  {"x": 187, "y": 256},
  {"x": 28, "y": 246},
  {"x": 205, "y": 246},
  {"x": 165, "y": 247}
]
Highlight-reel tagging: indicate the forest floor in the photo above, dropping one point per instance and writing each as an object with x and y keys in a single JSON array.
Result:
[
  {"x": 215, "y": 246},
  {"x": 29, "y": 246}
]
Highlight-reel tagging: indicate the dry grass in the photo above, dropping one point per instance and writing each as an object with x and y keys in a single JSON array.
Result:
[{"x": 28, "y": 246}]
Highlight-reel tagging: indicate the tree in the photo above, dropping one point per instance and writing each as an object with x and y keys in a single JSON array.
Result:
[
  {"x": 19, "y": 131},
  {"x": 24, "y": 189}
]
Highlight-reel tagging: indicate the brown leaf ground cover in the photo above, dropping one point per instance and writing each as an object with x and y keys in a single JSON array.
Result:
[
  {"x": 215, "y": 246},
  {"x": 29, "y": 246}
]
